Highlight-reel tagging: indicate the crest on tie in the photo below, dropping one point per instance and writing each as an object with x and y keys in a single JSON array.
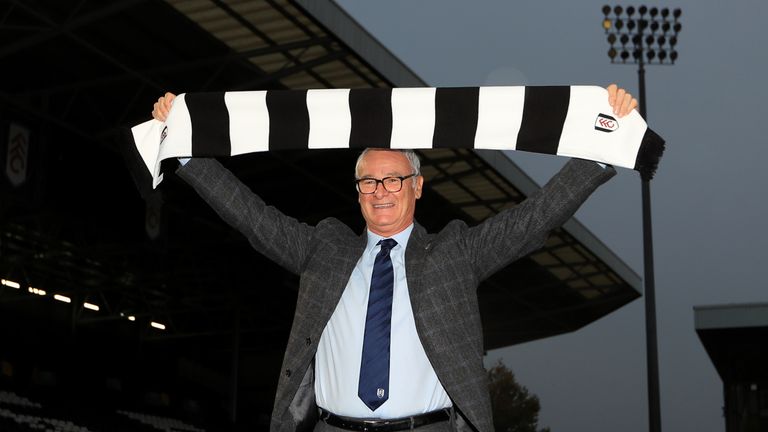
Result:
[{"x": 380, "y": 393}]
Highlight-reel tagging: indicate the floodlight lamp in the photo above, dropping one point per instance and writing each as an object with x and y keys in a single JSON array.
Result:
[
  {"x": 612, "y": 53},
  {"x": 651, "y": 54},
  {"x": 636, "y": 39},
  {"x": 654, "y": 25},
  {"x": 131, "y": 318},
  {"x": 624, "y": 55},
  {"x": 157, "y": 325},
  {"x": 676, "y": 13},
  {"x": 642, "y": 24},
  {"x": 630, "y": 10},
  {"x": 662, "y": 55},
  {"x": 631, "y": 24},
  {"x": 612, "y": 38},
  {"x": 619, "y": 24},
  {"x": 607, "y": 24},
  {"x": 617, "y": 10},
  {"x": 677, "y": 27},
  {"x": 624, "y": 39},
  {"x": 654, "y": 11},
  {"x": 606, "y": 10},
  {"x": 665, "y": 27},
  {"x": 673, "y": 41},
  {"x": 661, "y": 40},
  {"x": 91, "y": 306},
  {"x": 643, "y": 10},
  {"x": 649, "y": 40},
  {"x": 636, "y": 54},
  {"x": 673, "y": 55},
  {"x": 665, "y": 12}
]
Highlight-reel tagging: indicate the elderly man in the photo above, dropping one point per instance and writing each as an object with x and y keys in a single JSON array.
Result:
[{"x": 387, "y": 334}]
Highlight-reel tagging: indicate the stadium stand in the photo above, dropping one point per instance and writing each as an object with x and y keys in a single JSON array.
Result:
[
  {"x": 54, "y": 404},
  {"x": 161, "y": 423},
  {"x": 15, "y": 410},
  {"x": 20, "y": 414},
  {"x": 11, "y": 398}
]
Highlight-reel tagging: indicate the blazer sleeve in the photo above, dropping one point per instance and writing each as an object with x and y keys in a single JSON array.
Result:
[
  {"x": 279, "y": 237},
  {"x": 520, "y": 230}
]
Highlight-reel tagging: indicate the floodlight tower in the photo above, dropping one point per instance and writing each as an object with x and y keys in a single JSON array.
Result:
[{"x": 645, "y": 36}]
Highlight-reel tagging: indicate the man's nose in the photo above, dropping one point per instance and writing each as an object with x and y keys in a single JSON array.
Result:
[{"x": 381, "y": 191}]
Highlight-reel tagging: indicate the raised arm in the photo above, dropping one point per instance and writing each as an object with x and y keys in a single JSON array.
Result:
[
  {"x": 280, "y": 238},
  {"x": 522, "y": 229}
]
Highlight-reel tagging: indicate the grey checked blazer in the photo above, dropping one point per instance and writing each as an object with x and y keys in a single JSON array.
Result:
[{"x": 443, "y": 272}]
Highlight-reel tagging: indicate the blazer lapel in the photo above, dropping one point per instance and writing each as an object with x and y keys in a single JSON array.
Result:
[{"x": 349, "y": 254}]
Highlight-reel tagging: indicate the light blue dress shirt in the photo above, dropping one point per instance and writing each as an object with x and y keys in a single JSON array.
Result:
[{"x": 413, "y": 384}]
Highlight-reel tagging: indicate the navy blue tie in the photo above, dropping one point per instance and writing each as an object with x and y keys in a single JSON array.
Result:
[{"x": 373, "y": 388}]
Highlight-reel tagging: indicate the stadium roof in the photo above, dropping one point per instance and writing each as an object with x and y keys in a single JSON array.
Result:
[
  {"x": 734, "y": 337},
  {"x": 81, "y": 70}
]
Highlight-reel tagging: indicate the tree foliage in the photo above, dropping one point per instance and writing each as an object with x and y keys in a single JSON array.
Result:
[{"x": 514, "y": 408}]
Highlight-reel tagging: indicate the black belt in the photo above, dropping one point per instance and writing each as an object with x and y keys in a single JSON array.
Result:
[{"x": 384, "y": 425}]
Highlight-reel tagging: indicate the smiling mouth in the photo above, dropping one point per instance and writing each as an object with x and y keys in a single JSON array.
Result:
[{"x": 383, "y": 206}]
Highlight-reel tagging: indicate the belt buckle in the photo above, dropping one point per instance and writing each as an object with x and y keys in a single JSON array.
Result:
[
  {"x": 369, "y": 425},
  {"x": 372, "y": 425}
]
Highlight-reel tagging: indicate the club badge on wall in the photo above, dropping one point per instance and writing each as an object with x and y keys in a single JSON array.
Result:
[{"x": 17, "y": 156}]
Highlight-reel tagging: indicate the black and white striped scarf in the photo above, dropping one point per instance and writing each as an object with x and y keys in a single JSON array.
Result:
[{"x": 573, "y": 121}]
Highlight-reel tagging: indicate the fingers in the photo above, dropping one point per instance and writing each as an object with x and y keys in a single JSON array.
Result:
[
  {"x": 620, "y": 100},
  {"x": 169, "y": 97},
  {"x": 629, "y": 104},
  {"x": 162, "y": 107},
  {"x": 157, "y": 111},
  {"x": 612, "y": 89}
]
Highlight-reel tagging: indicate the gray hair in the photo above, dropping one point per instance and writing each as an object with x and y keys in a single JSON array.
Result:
[{"x": 411, "y": 155}]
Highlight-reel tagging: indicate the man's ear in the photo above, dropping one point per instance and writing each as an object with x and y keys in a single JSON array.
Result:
[{"x": 419, "y": 185}]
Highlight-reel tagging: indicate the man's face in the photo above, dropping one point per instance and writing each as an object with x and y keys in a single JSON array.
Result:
[{"x": 388, "y": 213}]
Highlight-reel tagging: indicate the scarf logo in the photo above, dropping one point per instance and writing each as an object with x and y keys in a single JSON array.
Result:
[
  {"x": 606, "y": 123},
  {"x": 163, "y": 134}
]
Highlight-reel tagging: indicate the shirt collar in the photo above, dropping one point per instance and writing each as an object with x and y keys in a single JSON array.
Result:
[{"x": 401, "y": 238}]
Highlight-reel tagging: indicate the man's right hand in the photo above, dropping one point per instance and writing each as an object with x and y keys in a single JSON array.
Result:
[{"x": 163, "y": 106}]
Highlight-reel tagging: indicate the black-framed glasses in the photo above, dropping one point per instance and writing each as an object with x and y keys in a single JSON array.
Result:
[{"x": 369, "y": 185}]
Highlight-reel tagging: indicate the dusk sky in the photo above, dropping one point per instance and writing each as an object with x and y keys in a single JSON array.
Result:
[{"x": 708, "y": 198}]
